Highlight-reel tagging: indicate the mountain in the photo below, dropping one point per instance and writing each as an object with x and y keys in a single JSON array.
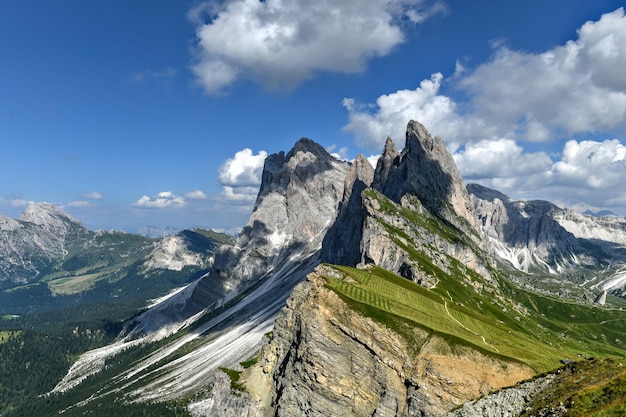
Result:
[
  {"x": 537, "y": 236},
  {"x": 383, "y": 291},
  {"x": 42, "y": 234},
  {"x": 49, "y": 260}
]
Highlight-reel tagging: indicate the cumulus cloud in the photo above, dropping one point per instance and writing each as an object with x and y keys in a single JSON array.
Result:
[
  {"x": 281, "y": 43},
  {"x": 573, "y": 88},
  {"x": 163, "y": 199},
  {"x": 589, "y": 172},
  {"x": 240, "y": 176},
  {"x": 502, "y": 158},
  {"x": 593, "y": 169},
  {"x": 371, "y": 125},
  {"x": 244, "y": 169}
]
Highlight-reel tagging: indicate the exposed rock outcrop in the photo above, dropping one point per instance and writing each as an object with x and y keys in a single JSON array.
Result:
[
  {"x": 326, "y": 359},
  {"x": 297, "y": 203},
  {"x": 508, "y": 402},
  {"x": 410, "y": 193},
  {"x": 342, "y": 242},
  {"x": 526, "y": 234}
]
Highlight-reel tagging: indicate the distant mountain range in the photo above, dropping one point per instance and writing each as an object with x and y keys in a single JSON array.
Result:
[
  {"x": 354, "y": 290},
  {"x": 50, "y": 260}
]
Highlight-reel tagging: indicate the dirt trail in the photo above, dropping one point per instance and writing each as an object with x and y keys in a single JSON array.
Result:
[{"x": 445, "y": 304}]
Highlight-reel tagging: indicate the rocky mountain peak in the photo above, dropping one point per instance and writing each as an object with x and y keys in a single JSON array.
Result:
[
  {"x": 425, "y": 169},
  {"x": 8, "y": 224},
  {"x": 486, "y": 193},
  {"x": 386, "y": 163},
  {"x": 297, "y": 203},
  {"x": 307, "y": 145},
  {"x": 39, "y": 236},
  {"x": 46, "y": 214}
]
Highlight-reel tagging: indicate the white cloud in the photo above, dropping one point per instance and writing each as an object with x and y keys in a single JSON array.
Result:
[
  {"x": 240, "y": 194},
  {"x": 244, "y": 169},
  {"x": 593, "y": 167},
  {"x": 570, "y": 90},
  {"x": 240, "y": 176},
  {"x": 341, "y": 153},
  {"x": 503, "y": 158},
  {"x": 573, "y": 88},
  {"x": 14, "y": 203},
  {"x": 393, "y": 111},
  {"x": 94, "y": 195},
  {"x": 196, "y": 195},
  {"x": 163, "y": 199},
  {"x": 281, "y": 43},
  {"x": 587, "y": 172},
  {"x": 18, "y": 202}
]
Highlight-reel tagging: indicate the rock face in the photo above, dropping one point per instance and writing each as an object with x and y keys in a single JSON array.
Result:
[
  {"x": 325, "y": 359},
  {"x": 411, "y": 191},
  {"x": 175, "y": 252},
  {"x": 537, "y": 236},
  {"x": 297, "y": 203},
  {"x": 509, "y": 402},
  {"x": 425, "y": 169},
  {"x": 525, "y": 232},
  {"x": 342, "y": 242},
  {"x": 41, "y": 235}
]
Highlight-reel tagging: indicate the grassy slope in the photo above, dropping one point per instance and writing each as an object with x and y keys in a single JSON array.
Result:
[{"x": 494, "y": 317}]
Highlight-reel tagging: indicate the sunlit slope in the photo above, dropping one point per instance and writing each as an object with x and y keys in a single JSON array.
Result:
[
  {"x": 536, "y": 340},
  {"x": 479, "y": 306}
]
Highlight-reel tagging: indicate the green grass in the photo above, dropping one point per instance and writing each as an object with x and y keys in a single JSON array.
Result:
[
  {"x": 234, "y": 379},
  {"x": 588, "y": 388},
  {"x": 400, "y": 304}
]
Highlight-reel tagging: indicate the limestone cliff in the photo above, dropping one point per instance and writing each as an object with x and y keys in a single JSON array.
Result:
[
  {"x": 539, "y": 237},
  {"x": 41, "y": 235},
  {"x": 297, "y": 203},
  {"x": 326, "y": 359}
]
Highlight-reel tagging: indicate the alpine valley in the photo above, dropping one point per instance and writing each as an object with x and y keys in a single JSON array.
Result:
[{"x": 353, "y": 290}]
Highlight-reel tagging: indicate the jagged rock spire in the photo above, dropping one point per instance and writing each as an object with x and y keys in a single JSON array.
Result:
[
  {"x": 426, "y": 169},
  {"x": 386, "y": 163},
  {"x": 342, "y": 242}
]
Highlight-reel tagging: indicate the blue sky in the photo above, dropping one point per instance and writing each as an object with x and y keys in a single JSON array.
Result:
[{"x": 147, "y": 112}]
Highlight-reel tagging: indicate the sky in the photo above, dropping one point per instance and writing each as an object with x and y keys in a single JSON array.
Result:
[{"x": 158, "y": 113}]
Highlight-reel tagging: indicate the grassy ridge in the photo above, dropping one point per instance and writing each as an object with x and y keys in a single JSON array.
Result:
[{"x": 540, "y": 343}]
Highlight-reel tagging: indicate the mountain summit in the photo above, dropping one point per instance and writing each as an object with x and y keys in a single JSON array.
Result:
[{"x": 425, "y": 169}]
